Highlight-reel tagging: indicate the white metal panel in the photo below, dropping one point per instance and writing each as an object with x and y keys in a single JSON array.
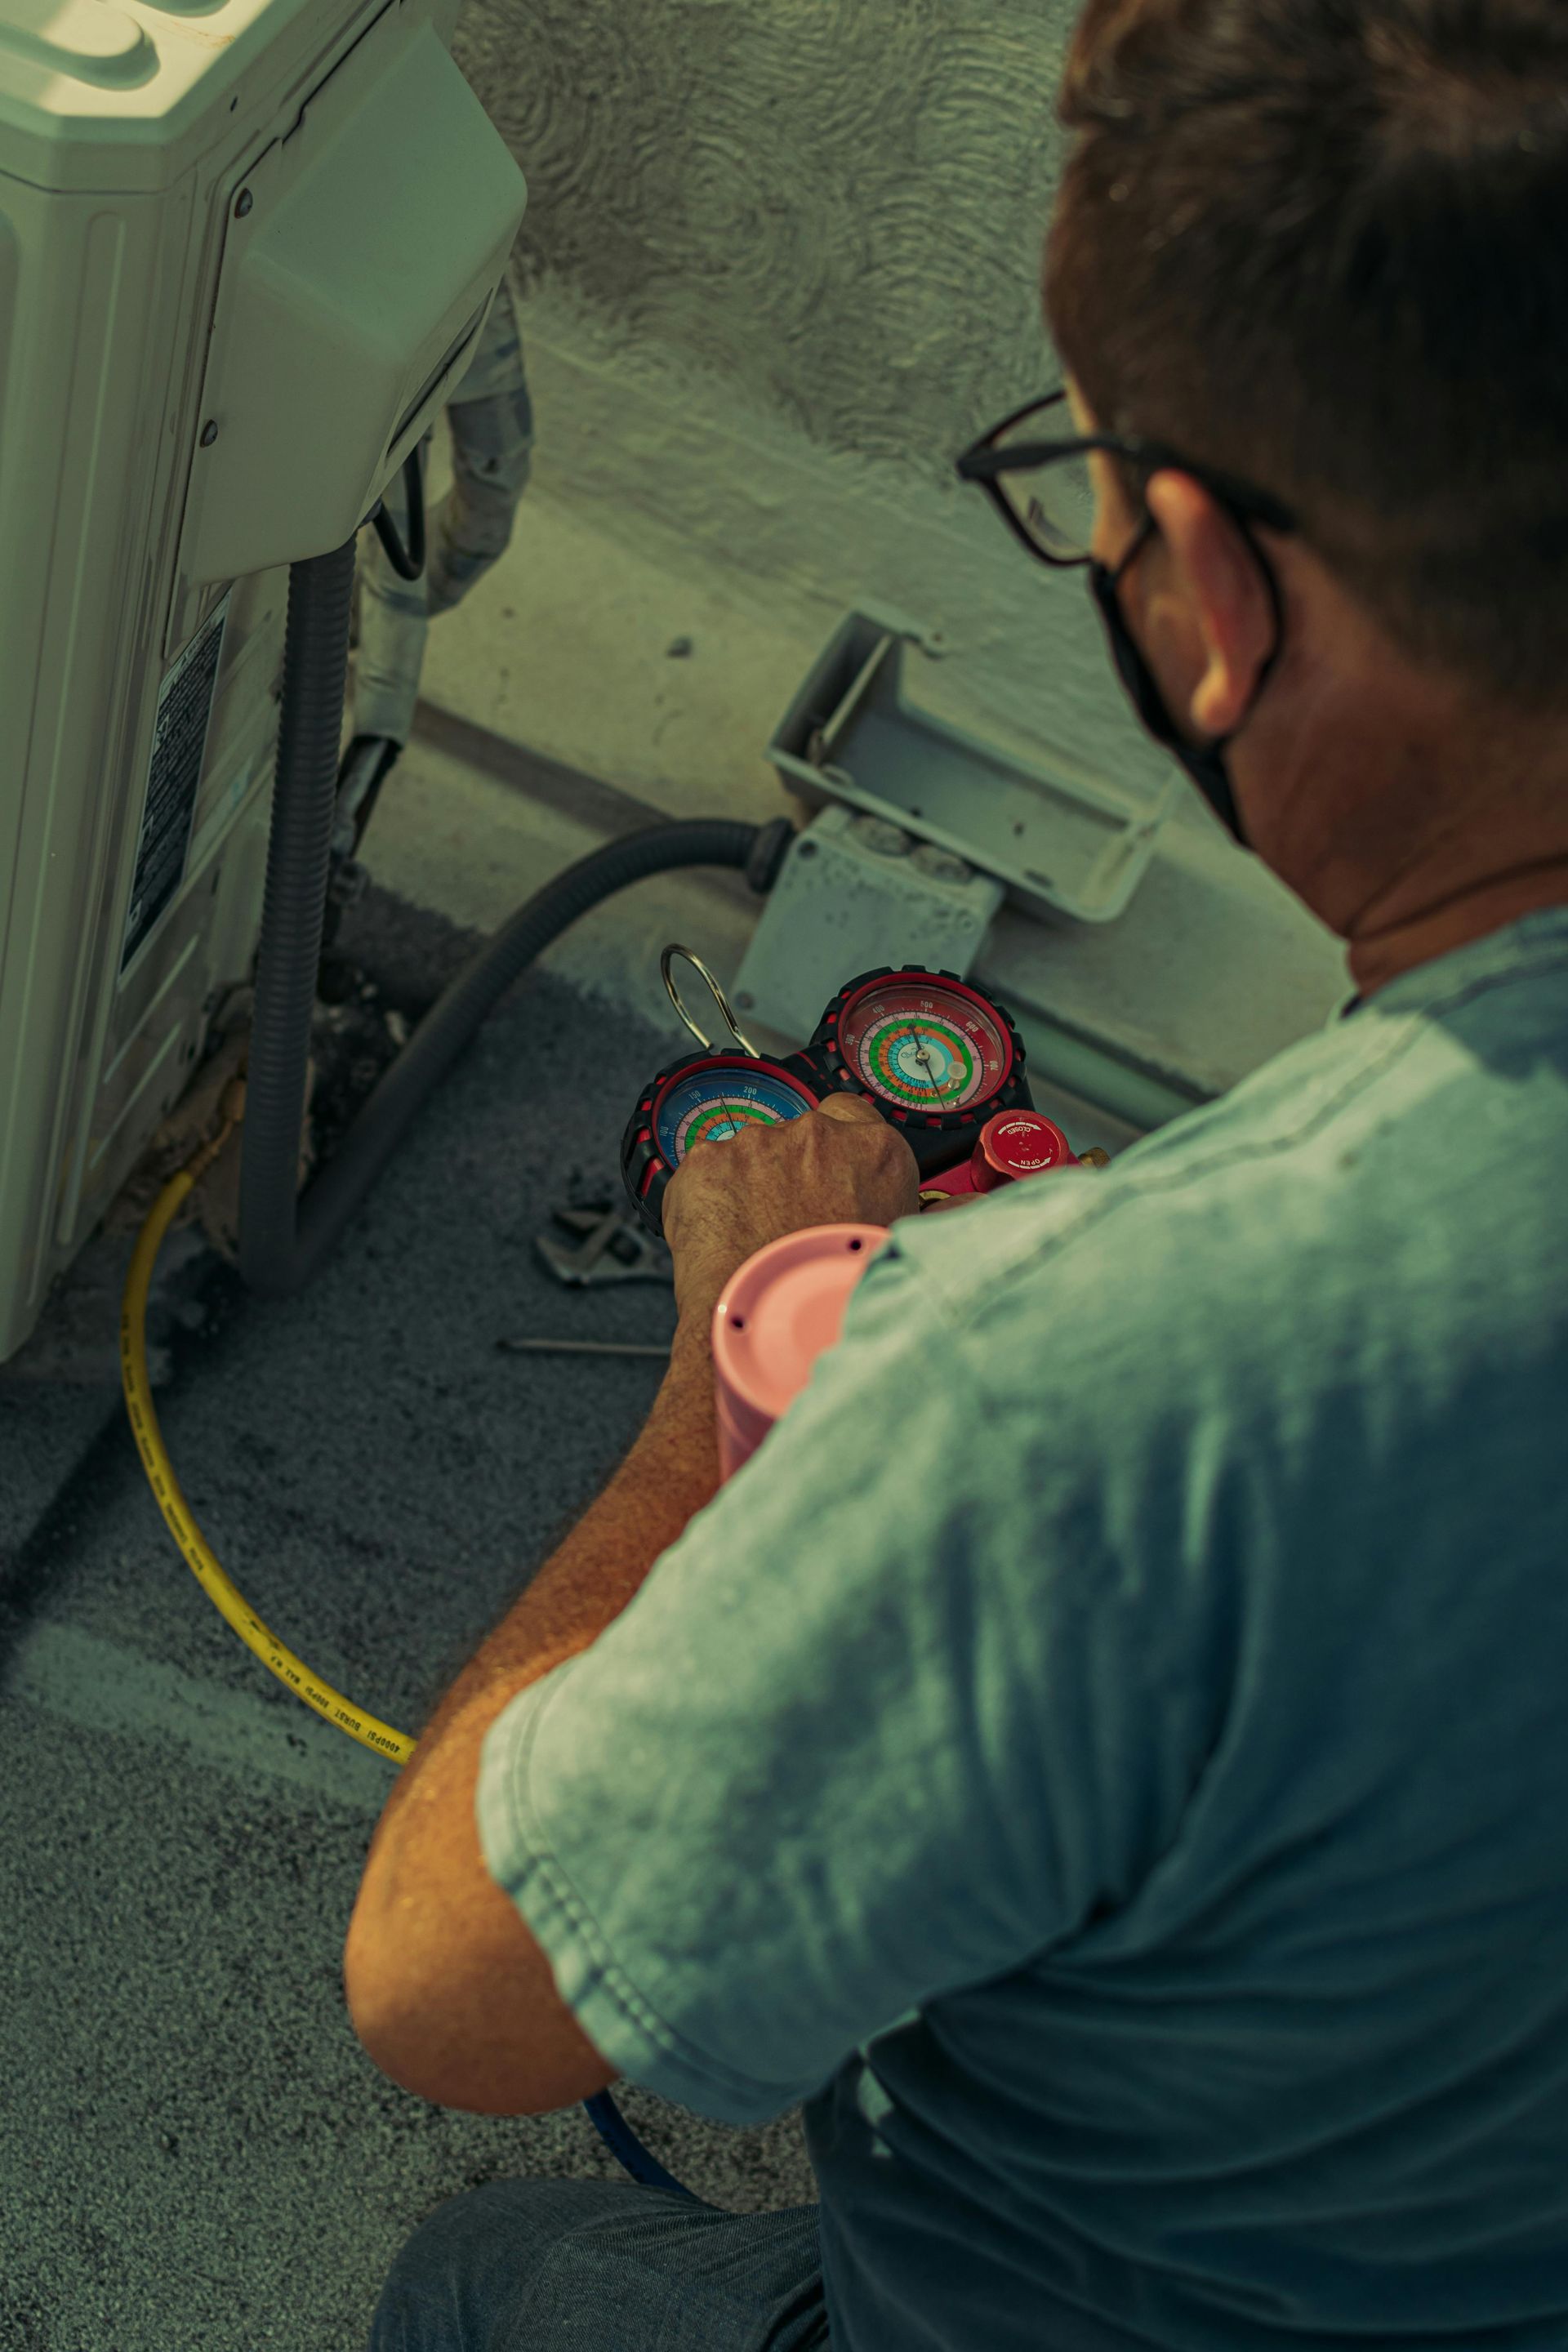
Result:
[
  {"x": 126, "y": 94},
  {"x": 114, "y": 198},
  {"x": 361, "y": 256}
]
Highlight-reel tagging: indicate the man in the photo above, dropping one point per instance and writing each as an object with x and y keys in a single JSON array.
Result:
[{"x": 1107, "y": 1754}]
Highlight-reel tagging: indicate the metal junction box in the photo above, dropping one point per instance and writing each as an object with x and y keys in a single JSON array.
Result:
[{"x": 1063, "y": 847}]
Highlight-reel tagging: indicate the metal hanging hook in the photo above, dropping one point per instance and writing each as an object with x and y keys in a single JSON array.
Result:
[{"x": 720, "y": 999}]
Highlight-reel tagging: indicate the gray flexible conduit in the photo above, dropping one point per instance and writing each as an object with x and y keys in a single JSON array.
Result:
[{"x": 283, "y": 1240}]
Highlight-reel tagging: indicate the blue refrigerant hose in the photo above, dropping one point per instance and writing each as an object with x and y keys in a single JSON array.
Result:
[{"x": 627, "y": 2148}]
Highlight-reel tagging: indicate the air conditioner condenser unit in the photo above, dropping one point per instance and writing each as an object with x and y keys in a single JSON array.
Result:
[{"x": 247, "y": 252}]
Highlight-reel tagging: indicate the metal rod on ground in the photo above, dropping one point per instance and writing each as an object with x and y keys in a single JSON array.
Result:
[{"x": 576, "y": 1348}]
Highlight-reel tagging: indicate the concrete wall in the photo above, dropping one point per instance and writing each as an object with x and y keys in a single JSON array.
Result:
[
  {"x": 837, "y": 206},
  {"x": 781, "y": 263}
]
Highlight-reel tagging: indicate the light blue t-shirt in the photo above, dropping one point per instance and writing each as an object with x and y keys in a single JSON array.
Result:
[{"x": 1107, "y": 1753}]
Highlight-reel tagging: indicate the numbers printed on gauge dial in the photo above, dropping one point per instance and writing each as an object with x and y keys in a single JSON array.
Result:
[
  {"x": 714, "y": 1106},
  {"x": 924, "y": 1049}
]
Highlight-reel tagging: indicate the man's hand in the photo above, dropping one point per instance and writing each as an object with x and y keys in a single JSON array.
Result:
[{"x": 843, "y": 1164}]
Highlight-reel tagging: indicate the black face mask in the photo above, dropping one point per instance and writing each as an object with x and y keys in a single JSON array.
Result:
[{"x": 1203, "y": 764}]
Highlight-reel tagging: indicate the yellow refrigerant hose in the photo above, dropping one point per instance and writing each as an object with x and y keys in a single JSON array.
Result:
[{"x": 329, "y": 1704}]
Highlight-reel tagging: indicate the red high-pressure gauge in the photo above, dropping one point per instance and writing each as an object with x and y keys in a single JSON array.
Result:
[{"x": 937, "y": 1058}]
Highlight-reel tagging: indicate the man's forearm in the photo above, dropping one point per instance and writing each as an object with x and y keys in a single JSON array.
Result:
[
  {"x": 432, "y": 1927},
  {"x": 671, "y": 1472}
]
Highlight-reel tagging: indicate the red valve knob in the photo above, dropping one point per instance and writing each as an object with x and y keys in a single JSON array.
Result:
[{"x": 1018, "y": 1143}]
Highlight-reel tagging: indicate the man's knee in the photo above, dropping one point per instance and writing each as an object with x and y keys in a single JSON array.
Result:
[{"x": 465, "y": 2277}]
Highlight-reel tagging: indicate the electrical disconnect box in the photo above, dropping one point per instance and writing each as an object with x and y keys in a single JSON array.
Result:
[{"x": 247, "y": 248}]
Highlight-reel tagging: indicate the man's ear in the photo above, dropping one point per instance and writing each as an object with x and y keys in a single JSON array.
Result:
[{"x": 1224, "y": 617}]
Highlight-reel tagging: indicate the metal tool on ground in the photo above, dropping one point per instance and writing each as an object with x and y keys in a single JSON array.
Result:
[
  {"x": 580, "y": 1347},
  {"x": 614, "y": 1247}
]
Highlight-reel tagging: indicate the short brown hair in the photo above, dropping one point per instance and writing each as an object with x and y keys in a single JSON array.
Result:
[{"x": 1323, "y": 245}]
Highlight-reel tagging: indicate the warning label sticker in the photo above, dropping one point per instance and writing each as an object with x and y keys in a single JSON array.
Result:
[{"x": 179, "y": 749}]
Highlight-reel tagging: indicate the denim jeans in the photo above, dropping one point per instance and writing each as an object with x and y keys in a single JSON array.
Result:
[{"x": 603, "y": 2266}]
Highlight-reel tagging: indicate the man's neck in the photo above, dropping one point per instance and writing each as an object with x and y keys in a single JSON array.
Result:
[
  {"x": 1396, "y": 938},
  {"x": 1413, "y": 826}
]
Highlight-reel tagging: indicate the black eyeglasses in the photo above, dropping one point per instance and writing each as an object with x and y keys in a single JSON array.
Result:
[{"x": 1044, "y": 490}]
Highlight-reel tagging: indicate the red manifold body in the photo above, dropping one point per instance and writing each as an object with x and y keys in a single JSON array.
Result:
[{"x": 1012, "y": 1145}]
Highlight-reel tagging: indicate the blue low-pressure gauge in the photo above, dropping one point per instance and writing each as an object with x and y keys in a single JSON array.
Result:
[
  {"x": 710, "y": 1106},
  {"x": 706, "y": 1099}
]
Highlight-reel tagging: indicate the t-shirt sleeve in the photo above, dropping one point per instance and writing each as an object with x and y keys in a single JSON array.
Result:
[{"x": 889, "y": 1720}]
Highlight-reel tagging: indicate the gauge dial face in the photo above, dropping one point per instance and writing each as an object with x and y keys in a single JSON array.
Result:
[
  {"x": 925, "y": 1046},
  {"x": 713, "y": 1105}
]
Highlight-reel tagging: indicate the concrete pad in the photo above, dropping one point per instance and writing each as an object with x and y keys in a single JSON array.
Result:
[{"x": 194, "y": 2150}]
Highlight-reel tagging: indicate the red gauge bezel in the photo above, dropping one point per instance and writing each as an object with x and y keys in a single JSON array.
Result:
[{"x": 841, "y": 1011}]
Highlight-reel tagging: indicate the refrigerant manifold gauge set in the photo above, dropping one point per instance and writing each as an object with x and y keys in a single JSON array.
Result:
[{"x": 941, "y": 1060}]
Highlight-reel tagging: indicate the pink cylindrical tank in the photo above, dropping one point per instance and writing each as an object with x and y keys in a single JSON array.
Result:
[{"x": 779, "y": 1311}]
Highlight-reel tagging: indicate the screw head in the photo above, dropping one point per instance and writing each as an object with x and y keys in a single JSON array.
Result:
[
  {"x": 940, "y": 864},
  {"x": 245, "y": 206},
  {"x": 883, "y": 840},
  {"x": 209, "y": 433}
]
